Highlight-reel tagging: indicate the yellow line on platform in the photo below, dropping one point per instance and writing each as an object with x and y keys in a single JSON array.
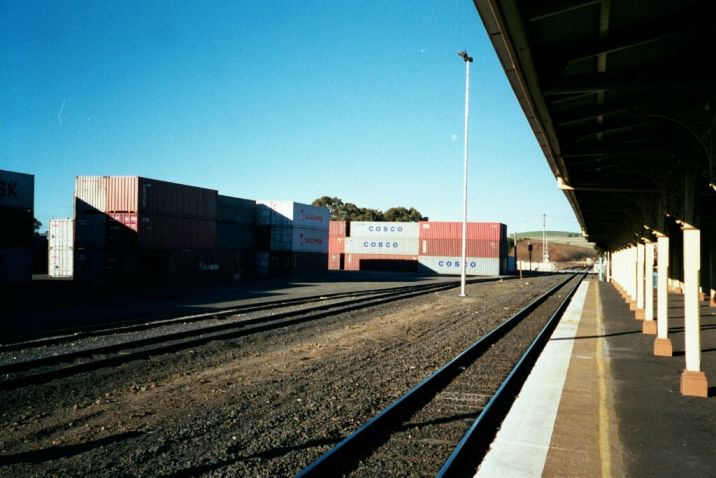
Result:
[{"x": 604, "y": 446}]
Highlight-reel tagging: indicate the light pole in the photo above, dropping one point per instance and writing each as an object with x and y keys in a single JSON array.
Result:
[{"x": 468, "y": 59}]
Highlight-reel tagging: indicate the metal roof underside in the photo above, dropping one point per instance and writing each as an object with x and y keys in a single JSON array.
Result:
[{"x": 612, "y": 89}]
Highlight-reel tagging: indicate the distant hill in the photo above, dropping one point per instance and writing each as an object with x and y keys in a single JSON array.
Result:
[
  {"x": 563, "y": 246},
  {"x": 557, "y": 237}
]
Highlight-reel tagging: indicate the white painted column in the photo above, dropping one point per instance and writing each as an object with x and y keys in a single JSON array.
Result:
[
  {"x": 632, "y": 277},
  {"x": 649, "y": 326},
  {"x": 662, "y": 344},
  {"x": 693, "y": 380},
  {"x": 640, "y": 252},
  {"x": 609, "y": 266}
]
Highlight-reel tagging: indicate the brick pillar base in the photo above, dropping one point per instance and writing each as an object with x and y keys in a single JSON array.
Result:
[
  {"x": 694, "y": 384},
  {"x": 632, "y": 305},
  {"x": 648, "y": 327},
  {"x": 662, "y": 347},
  {"x": 640, "y": 314}
]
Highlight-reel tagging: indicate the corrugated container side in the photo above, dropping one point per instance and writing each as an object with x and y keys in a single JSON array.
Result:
[
  {"x": 163, "y": 197},
  {"x": 17, "y": 190},
  {"x": 287, "y": 213},
  {"x": 373, "y": 229},
  {"x": 453, "y": 230},
  {"x": 168, "y": 232},
  {"x": 122, "y": 194},
  {"x": 15, "y": 265},
  {"x": 40, "y": 247},
  {"x": 193, "y": 266},
  {"x": 337, "y": 228},
  {"x": 453, "y": 247},
  {"x": 298, "y": 239},
  {"x": 90, "y": 194},
  {"x": 60, "y": 261},
  {"x": 89, "y": 265},
  {"x": 263, "y": 260},
  {"x": 90, "y": 230},
  {"x": 61, "y": 233},
  {"x": 480, "y": 266},
  {"x": 305, "y": 263},
  {"x": 336, "y": 244},
  {"x": 232, "y": 235},
  {"x": 17, "y": 228},
  {"x": 352, "y": 262},
  {"x": 335, "y": 261},
  {"x": 231, "y": 209},
  {"x": 382, "y": 245}
]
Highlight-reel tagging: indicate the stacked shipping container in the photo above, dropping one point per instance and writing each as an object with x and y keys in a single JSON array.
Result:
[
  {"x": 17, "y": 201},
  {"x": 292, "y": 238},
  {"x": 130, "y": 227},
  {"x": 60, "y": 247},
  {"x": 434, "y": 247},
  {"x": 441, "y": 248}
]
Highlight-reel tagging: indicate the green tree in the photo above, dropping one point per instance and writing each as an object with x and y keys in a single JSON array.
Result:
[
  {"x": 36, "y": 225},
  {"x": 349, "y": 211}
]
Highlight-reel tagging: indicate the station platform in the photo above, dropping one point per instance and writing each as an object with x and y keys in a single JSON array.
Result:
[{"x": 599, "y": 403}]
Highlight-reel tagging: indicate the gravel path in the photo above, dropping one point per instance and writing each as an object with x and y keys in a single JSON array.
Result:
[{"x": 264, "y": 405}]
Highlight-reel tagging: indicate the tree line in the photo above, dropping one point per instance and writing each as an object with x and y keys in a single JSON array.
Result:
[{"x": 350, "y": 212}]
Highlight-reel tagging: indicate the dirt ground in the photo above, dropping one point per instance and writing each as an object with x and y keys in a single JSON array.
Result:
[{"x": 262, "y": 405}]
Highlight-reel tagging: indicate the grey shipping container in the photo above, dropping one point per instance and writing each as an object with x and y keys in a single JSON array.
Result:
[
  {"x": 17, "y": 190},
  {"x": 479, "y": 266},
  {"x": 90, "y": 230},
  {"x": 232, "y": 235},
  {"x": 15, "y": 265},
  {"x": 231, "y": 209}
]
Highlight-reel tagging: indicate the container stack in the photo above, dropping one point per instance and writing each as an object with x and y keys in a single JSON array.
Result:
[
  {"x": 428, "y": 246},
  {"x": 17, "y": 201},
  {"x": 337, "y": 232},
  {"x": 236, "y": 232},
  {"x": 382, "y": 246},
  {"x": 60, "y": 247},
  {"x": 129, "y": 228},
  {"x": 291, "y": 238},
  {"x": 441, "y": 248}
]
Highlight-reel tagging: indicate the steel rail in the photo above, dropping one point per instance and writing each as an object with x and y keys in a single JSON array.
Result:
[
  {"x": 345, "y": 456},
  {"x": 473, "y": 446},
  {"x": 69, "y": 335},
  {"x": 187, "y": 339}
]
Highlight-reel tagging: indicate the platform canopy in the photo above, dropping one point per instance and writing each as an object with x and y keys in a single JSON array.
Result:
[{"x": 621, "y": 96}]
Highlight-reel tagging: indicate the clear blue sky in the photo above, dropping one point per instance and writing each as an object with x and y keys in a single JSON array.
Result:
[{"x": 363, "y": 100}]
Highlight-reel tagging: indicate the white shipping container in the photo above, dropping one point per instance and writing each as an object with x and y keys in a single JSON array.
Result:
[
  {"x": 376, "y": 230},
  {"x": 299, "y": 239},
  {"x": 91, "y": 194},
  {"x": 476, "y": 266},
  {"x": 17, "y": 190},
  {"x": 60, "y": 233},
  {"x": 60, "y": 240},
  {"x": 289, "y": 213},
  {"x": 382, "y": 245}
]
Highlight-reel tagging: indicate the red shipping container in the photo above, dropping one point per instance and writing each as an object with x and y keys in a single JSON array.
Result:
[
  {"x": 336, "y": 244},
  {"x": 352, "y": 261},
  {"x": 453, "y": 230},
  {"x": 335, "y": 261},
  {"x": 337, "y": 228},
  {"x": 152, "y": 196},
  {"x": 453, "y": 248},
  {"x": 168, "y": 232}
]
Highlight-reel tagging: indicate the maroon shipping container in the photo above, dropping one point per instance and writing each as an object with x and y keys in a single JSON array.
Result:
[
  {"x": 453, "y": 248},
  {"x": 453, "y": 230},
  {"x": 337, "y": 229},
  {"x": 192, "y": 266},
  {"x": 168, "y": 232},
  {"x": 152, "y": 196},
  {"x": 336, "y": 244},
  {"x": 353, "y": 261}
]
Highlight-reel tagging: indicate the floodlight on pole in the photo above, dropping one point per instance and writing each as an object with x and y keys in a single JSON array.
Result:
[{"x": 463, "y": 263}]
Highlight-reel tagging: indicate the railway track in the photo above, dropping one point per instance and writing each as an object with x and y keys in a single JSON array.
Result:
[
  {"x": 51, "y": 365},
  {"x": 445, "y": 424}
]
